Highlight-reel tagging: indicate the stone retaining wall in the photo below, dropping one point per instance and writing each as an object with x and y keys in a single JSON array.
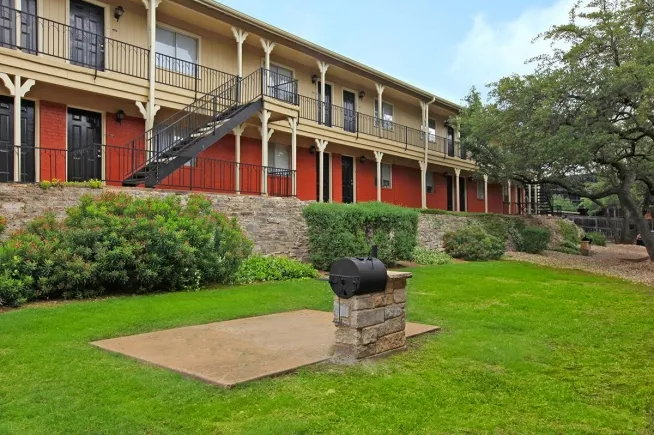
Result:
[
  {"x": 433, "y": 227},
  {"x": 275, "y": 225}
]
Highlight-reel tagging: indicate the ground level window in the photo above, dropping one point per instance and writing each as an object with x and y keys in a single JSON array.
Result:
[
  {"x": 429, "y": 181},
  {"x": 481, "y": 192},
  {"x": 386, "y": 175},
  {"x": 279, "y": 157}
]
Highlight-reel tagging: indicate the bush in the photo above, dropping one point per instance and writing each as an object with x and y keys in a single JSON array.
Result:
[
  {"x": 473, "y": 243},
  {"x": 568, "y": 247},
  {"x": 598, "y": 239},
  {"x": 258, "y": 269},
  {"x": 118, "y": 244},
  {"x": 569, "y": 231},
  {"x": 427, "y": 257},
  {"x": 534, "y": 240},
  {"x": 348, "y": 230},
  {"x": 3, "y": 224}
]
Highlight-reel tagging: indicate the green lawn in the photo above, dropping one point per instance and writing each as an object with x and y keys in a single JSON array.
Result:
[{"x": 524, "y": 349}]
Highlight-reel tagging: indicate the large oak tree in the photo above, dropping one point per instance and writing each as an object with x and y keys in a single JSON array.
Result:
[{"x": 587, "y": 111}]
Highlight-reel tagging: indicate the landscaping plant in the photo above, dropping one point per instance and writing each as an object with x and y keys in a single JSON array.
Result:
[
  {"x": 349, "y": 230},
  {"x": 427, "y": 257},
  {"x": 116, "y": 243},
  {"x": 260, "y": 269},
  {"x": 3, "y": 224},
  {"x": 596, "y": 238},
  {"x": 534, "y": 240},
  {"x": 473, "y": 243}
]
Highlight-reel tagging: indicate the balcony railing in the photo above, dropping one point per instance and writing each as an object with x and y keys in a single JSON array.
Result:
[
  {"x": 112, "y": 164},
  {"x": 41, "y": 36},
  {"x": 355, "y": 122}
]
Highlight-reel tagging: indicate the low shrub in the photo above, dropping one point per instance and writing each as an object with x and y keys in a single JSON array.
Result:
[
  {"x": 427, "y": 257},
  {"x": 568, "y": 247},
  {"x": 49, "y": 184},
  {"x": 258, "y": 269},
  {"x": 569, "y": 231},
  {"x": 347, "y": 230},
  {"x": 596, "y": 238},
  {"x": 534, "y": 240},
  {"x": 473, "y": 243},
  {"x": 3, "y": 224},
  {"x": 116, "y": 243}
]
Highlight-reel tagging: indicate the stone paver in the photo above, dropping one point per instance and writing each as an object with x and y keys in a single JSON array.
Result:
[{"x": 235, "y": 351}]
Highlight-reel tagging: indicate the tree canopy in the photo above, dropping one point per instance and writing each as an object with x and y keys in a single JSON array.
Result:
[{"x": 587, "y": 110}]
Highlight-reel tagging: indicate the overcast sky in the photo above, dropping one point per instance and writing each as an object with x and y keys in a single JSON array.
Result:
[{"x": 444, "y": 47}]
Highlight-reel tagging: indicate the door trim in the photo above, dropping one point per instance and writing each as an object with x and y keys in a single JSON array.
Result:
[
  {"x": 107, "y": 29},
  {"x": 103, "y": 135}
]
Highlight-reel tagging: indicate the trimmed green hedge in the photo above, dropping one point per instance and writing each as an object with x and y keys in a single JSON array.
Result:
[
  {"x": 116, "y": 243},
  {"x": 349, "y": 230},
  {"x": 473, "y": 243},
  {"x": 534, "y": 240}
]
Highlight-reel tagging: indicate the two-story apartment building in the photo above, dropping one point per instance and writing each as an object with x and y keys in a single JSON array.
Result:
[{"x": 190, "y": 94}]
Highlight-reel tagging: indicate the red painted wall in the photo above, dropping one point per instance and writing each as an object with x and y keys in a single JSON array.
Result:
[
  {"x": 121, "y": 138},
  {"x": 337, "y": 178},
  {"x": 306, "y": 175},
  {"x": 366, "y": 190},
  {"x": 52, "y": 133},
  {"x": 438, "y": 199},
  {"x": 474, "y": 205},
  {"x": 495, "y": 198},
  {"x": 405, "y": 188}
]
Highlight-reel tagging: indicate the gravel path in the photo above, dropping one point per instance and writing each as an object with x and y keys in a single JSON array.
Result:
[{"x": 619, "y": 261}]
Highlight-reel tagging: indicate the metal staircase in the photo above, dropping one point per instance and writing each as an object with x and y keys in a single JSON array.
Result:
[{"x": 176, "y": 141}]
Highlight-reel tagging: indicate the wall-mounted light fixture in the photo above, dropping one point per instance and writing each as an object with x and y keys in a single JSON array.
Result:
[
  {"x": 312, "y": 149},
  {"x": 362, "y": 94},
  {"x": 362, "y": 159},
  {"x": 120, "y": 115},
  {"x": 118, "y": 12},
  {"x": 314, "y": 79}
]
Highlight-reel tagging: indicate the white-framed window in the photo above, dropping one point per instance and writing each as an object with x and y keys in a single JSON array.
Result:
[
  {"x": 481, "y": 192},
  {"x": 279, "y": 156},
  {"x": 176, "y": 51},
  {"x": 432, "y": 130},
  {"x": 429, "y": 181},
  {"x": 505, "y": 192},
  {"x": 387, "y": 175},
  {"x": 281, "y": 85},
  {"x": 387, "y": 115}
]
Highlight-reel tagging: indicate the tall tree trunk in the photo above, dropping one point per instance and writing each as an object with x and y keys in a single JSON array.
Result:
[
  {"x": 629, "y": 203},
  {"x": 626, "y": 236}
]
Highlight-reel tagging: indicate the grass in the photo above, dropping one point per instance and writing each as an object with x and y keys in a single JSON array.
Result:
[{"x": 524, "y": 349}]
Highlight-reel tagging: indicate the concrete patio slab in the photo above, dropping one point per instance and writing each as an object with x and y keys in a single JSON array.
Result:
[{"x": 235, "y": 351}]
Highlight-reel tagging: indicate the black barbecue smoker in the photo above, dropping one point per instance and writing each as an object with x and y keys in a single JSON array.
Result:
[{"x": 352, "y": 276}]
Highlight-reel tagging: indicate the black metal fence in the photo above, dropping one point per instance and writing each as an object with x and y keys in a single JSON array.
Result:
[
  {"x": 112, "y": 164},
  {"x": 95, "y": 51}
]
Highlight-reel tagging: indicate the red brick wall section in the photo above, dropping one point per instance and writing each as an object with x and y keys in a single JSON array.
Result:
[
  {"x": 366, "y": 190},
  {"x": 52, "y": 133},
  {"x": 121, "y": 139},
  {"x": 337, "y": 178},
  {"x": 474, "y": 205},
  {"x": 306, "y": 175},
  {"x": 495, "y": 198}
]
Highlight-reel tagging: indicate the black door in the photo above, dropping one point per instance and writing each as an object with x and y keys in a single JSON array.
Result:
[
  {"x": 450, "y": 141},
  {"x": 326, "y": 166},
  {"x": 450, "y": 190},
  {"x": 7, "y": 153},
  {"x": 328, "y": 104},
  {"x": 6, "y": 140},
  {"x": 7, "y": 24},
  {"x": 347, "y": 165},
  {"x": 86, "y": 34},
  {"x": 462, "y": 193},
  {"x": 28, "y": 27},
  {"x": 349, "y": 112},
  {"x": 84, "y": 157}
]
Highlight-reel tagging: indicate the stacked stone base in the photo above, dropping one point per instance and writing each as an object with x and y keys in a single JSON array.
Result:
[{"x": 373, "y": 324}]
